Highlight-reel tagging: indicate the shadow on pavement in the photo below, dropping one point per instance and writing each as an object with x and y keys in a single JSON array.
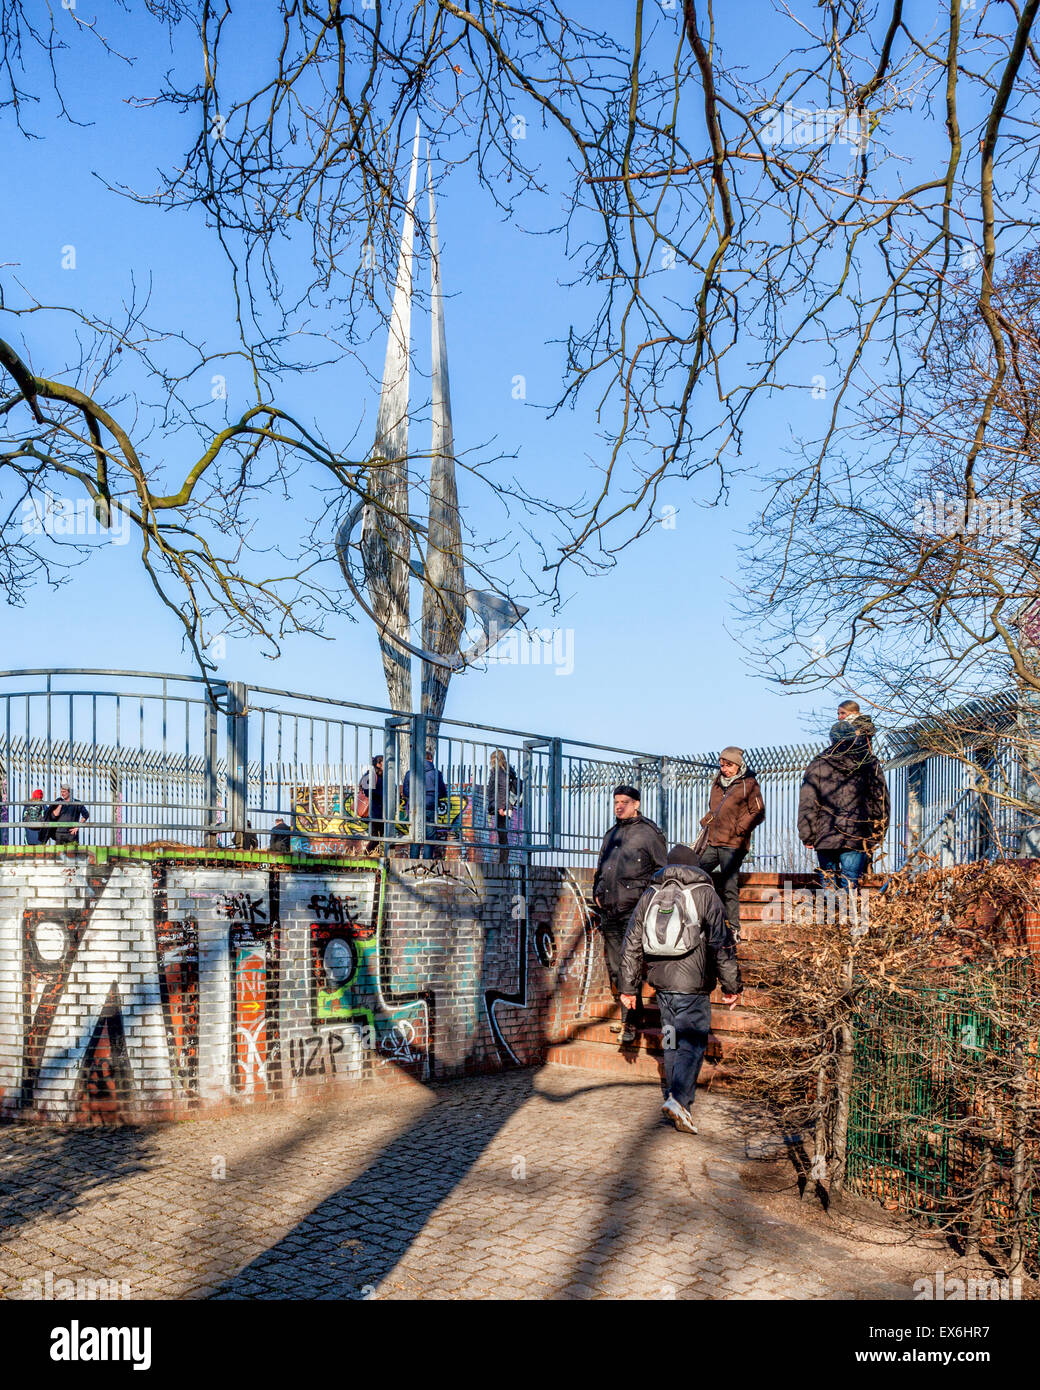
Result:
[
  {"x": 49, "y": 1172},
  {"x": 352, "y": 1240}
]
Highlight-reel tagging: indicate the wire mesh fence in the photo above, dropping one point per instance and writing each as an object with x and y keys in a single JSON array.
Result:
[{"x": 944, "y": 1107}]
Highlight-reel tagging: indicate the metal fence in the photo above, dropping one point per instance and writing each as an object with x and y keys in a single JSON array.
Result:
[
  {"x": 165, "y": 757},
  {"x": 942, "y": 1117}
]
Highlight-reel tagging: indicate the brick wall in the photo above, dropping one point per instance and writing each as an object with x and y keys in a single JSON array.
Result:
[{"x": 138, "y": 989}]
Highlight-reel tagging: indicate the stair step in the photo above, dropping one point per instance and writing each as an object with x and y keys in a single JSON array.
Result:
[{"x": 719, "y": 1063}]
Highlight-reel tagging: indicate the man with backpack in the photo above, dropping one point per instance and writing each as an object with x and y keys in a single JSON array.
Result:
[
  {"x": 633, "y": 850},
  {"x": 679, "y": 938}
]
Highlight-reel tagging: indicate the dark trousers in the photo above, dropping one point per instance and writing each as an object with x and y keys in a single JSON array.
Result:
[
  {"x": 501, "y": 824},
  {"x": 613, "y": 927},
  {"x": 685, "y": 1023},
  {"x": 723, "y": 863}
]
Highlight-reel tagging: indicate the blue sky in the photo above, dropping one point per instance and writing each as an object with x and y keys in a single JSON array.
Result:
[{"x": 653, "y": 665}]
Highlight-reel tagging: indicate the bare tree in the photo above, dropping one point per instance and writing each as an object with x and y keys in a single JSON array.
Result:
[{"x": 748, "y": 221}]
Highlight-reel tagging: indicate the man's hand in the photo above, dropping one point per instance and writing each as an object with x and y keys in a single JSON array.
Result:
[
  {"x": 731, "y": 999},
  {"x": 597, "y": 902},
  {"x": 628, "y": 1001}
]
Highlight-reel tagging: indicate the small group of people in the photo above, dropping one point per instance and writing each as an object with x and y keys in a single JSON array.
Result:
[
  {"x": 673, "y": 917},
  {"x": 501, "y": 796},
  {"x": 57, "y": 822}
]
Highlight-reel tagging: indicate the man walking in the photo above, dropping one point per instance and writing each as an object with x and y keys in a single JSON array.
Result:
[
  {"x": 843, "y": 807},
  {"x": 633, "y": 850},
  {"x": 679, "y": 937},
  {"x": 735, "y": 808},
  {"x": 68, "y": 814}
]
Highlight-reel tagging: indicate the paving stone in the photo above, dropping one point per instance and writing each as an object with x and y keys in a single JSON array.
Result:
[{"x": 411, "y": 1196}]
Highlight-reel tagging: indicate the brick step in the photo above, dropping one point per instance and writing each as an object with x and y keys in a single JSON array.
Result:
[
  {"x": 720, "y": 1063},
  {"x": 752, "y": 999},
  {"x": 754, "y": 933},
  {"x": 772, "y": 878},
  {"x": 649, "y": 1034}
]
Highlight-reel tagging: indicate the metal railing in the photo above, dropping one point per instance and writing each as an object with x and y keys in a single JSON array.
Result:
[{"x": 155, "y": 756}]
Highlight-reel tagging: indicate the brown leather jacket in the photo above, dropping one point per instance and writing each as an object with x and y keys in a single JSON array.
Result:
[{"x": 734, "y": 811}]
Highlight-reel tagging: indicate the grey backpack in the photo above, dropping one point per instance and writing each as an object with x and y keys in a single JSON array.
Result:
[{"x": 672, "y": 924}]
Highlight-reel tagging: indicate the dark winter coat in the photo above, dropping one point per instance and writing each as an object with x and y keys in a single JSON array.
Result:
[
  {"x": 632, "y": 851},
  {"x": 844, "y": 802},
  {"x": 713, "y": 960},
  {"x": 501, "y": 791},
  {"x": 61, "y": 813},
  {"x": 435, "y": 790},
  {"x": 734, "y": 811},
  {"x": 372, "y": 785}
]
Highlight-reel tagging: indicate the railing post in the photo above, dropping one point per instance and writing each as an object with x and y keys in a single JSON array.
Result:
[
  {"x": 915, "y": 792},
  {"x": 237, "y": 758},
  {"x": 947, "y": 845},
  {"x": 1028, "y": 721},
  {"x": 663, "y": 783},
  {"x": 417, "y": 831},
  {"x": 555, "y": 792},
  {"x": 391, "y": 772},
  {"x": 209, "y": 791}
]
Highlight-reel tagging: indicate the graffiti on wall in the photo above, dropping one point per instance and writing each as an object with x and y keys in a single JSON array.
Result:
[
  {"x": 142, "y": 989},
  {"x": 154, "y": 986}
]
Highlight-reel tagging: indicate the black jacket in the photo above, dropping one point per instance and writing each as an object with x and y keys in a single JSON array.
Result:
[
  {"x": 713, "y": 960},
  {"x": 844, "y": 802},
  {"x": 631, "y": 852},
  {"x": 501, "y": 792}
]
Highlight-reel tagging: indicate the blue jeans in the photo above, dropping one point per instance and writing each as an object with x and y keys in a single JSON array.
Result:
[
  {"x": 841, "y": 868},
  {"x": 432, "y": 849},
  {"x": 688, "y": 1016}
]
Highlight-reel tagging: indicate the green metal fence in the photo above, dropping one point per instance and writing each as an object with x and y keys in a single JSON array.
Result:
[{"x": 944, "y": 1107}]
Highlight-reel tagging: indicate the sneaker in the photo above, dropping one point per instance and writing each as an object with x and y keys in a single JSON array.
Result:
[
  {"x": 679, "y": 1116},
  {"x": 616, "y": 1026},
  {"x": 628, "y": 1036}
]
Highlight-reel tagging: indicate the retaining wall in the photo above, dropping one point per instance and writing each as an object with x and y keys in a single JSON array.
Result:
[{"x": 136, "y": 988}]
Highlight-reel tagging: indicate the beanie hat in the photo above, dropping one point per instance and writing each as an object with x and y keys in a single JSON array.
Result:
[
  {"x": 843, "y": 730},
  {"x": 631, "y": 792},
  {"x": 684, "y": 855},
  {"x": 733, "y": 755},
  {"x": 863, "y": 724},
  {"x": 37, "y": 795}
]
